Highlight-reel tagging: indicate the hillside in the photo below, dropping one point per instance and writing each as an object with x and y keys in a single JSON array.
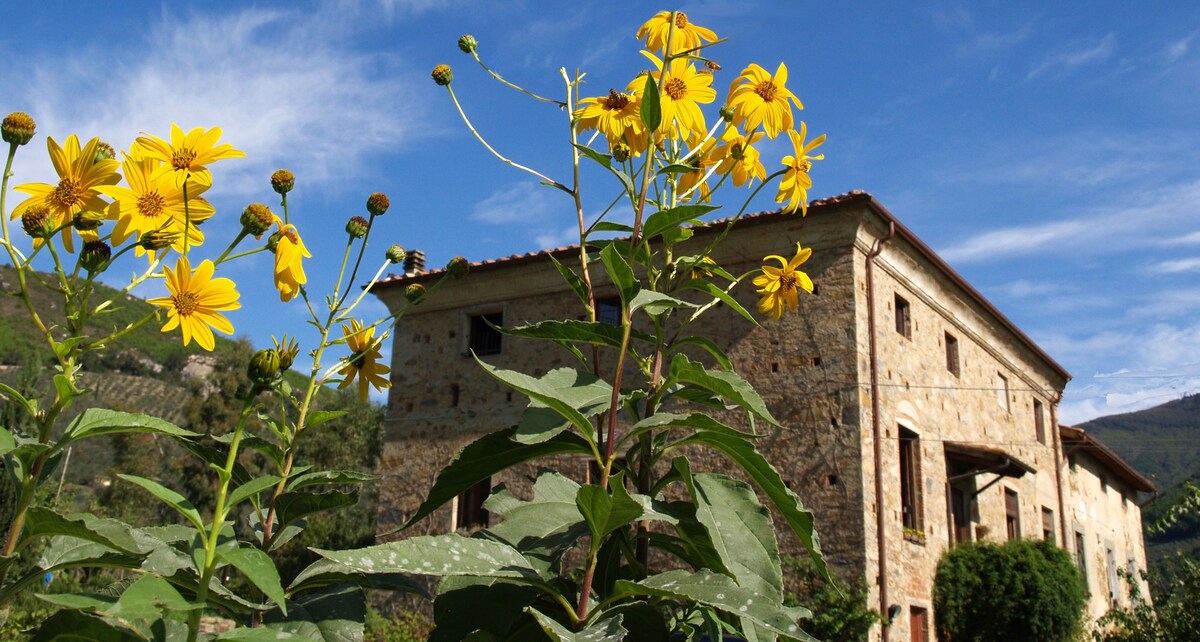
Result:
[{"x": 1162, "y": 442}]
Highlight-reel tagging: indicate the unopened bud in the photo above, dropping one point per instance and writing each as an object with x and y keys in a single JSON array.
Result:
[
  {"x": 620, "y": 152},
  {"x": 159, "y": 239},
  {"x": 414, "y": 293},
  {"x": 37, "y": 222},
  {"x": 726, "y": 113},
  {"x": 86, "y": 220},
  {"x": 104, "y": 152},
  {"x": 264, "y": 367},
  {"x": 396, "y": 253},
  {"x": 256, "y": 219},
  {"x": 467, "y": 43},
  {"x": 378, "y": 203},
  {"x": 442, "y": 75},
  {"x": 18, "y": 128},
  {"x": 94, "y": 255},
  {"x": 273, "y": 241},
  {"x": 287, "y": 351},
  {"x": 357, "y": 227},
  {"x": 458, "y": 267},
  {"x": 282, "y": 181}
]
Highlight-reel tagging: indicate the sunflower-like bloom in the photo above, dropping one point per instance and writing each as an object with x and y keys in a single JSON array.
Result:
[
  {"x": 79, "y": 176},
  {"x": 289, "y": 268},
  {"x": 196, "y": 302},
  {"x": 681, "y": 95},
  {"x": 187, "y": 155},
  {"x": 779, "y": 286},
  {"x": 794, "y": 186},
  {"x": 758, "y": 98},
  {"x": 150, "y": 204},
  {"x": 736, "y": 154},
  {"x": 612, "y": 115},
  {"x": 687, "y": 35},
  {"x": 364, "y": 362}
]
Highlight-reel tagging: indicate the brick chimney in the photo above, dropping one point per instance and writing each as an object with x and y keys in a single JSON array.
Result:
[{"x": 414, "y": 263}]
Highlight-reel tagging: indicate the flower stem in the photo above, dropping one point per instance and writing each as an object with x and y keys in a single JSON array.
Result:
[{"x": 518, "y": 88}]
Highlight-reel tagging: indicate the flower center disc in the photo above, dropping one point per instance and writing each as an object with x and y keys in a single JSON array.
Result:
[
  {"x": 803, "y": 166},
  {"x": 67, "y": 194},
  {"x": 767, "y": 90},
  {"x": 681, "y": 20},
  {"x": 185, "y": 303},
  {"x": 676, "y": 88},
  {"x": 788, "y": 281},
  {"x": 151, "y": 205},
  {"x": 183, "y": 157}
]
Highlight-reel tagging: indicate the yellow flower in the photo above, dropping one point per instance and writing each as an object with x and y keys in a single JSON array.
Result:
[
  {"x": 794, "y": 186},
  {"x": 187, "y": 155},
  {"x": 79, "y": 174},
  {"x": 196, "y": 302},
  {"x": 779, "y": 286},
  {"x": 681, "y": 92},
  {"x": 150, "y": 204},
  {"x": 758, "y": 98},
  {"x": 612, "y": 115},
  {"x": 289, "y": 268},
  {"x": 364, "y": 360},
  {"x": 736, "y": 154},
  {"x": 687, "y": 35}
]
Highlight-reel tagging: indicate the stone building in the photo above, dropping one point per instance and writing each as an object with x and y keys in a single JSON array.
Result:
[{"x": 915, "y": 414}]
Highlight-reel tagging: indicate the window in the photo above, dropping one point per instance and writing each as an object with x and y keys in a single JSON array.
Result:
[
  {"x": 1002, "y": 390},
  {"x": 960, "y": 509},
  {"x": 1048, "y": 525},
  {"x": 952, "y": 354},
  {"x": 1012, "y": 514},
  {"x": 1039, "y": 420},
  {"x": 468, "y": 507},
  {"x": 1080, "y": 556},
  {"x": 912, "y": 516},
  {"x": 918, "y": 624},
  {"x": 609, "y": 311},
  {"x": 903, "y": 317},
  {"x": 1110, "y": 559},
  {"x": 484, "y": 339}
]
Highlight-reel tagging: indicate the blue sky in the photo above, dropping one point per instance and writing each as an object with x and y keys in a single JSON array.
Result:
[{"x": 1050, "y": 152}]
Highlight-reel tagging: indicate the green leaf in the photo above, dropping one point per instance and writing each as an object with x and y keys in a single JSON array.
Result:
[
  {"x": 77, "y": 626},
  {"x": 268, "y": 448},
  {"x": 331, "y": 477},
  {"x": 324, "y": 573},
  {"x": 580, "y": 390},
  {"x": 13, "y": 395},
  {"x": 678, "y": 168},
  {"x": 609, "y": 226},
  {"x": 694, "y": 421},
  {"x": 661, "y": 221},
  {"x": 620, "y": 272},
  {"x": 332, "y": 615},
  {"x": 598, "y": 333},
  {"x": 487, "y": 456},
  {"x": 710, "y": 288},
  {"x": 605, "y": 160},
  {"x": 66, "y": 389},
  {"x": 763, "y": 474},
  {"x": 321, "y": 416},
  {"x": 260, "y": 570},
  {"x": 253, "y": 487},
  {"x": 541, "y": 391},
  {"x": 148, "y": 599},
  {"x": 542, "y": 529},
  {"x": 7, "y": 442},
  {"x": 651, "y": 111},
  {"x": 606, "y": 513},
  {"x": 291, "y": 506},
  {"x": 470, "y": 608},
  {"x": 725, "y": 383},
  {"x": 577, "y": 284},
  {"x": 41, "y": 522},
  {"x": 440, "y": 555},
  {"x": 260, "y": 634},
  {"x": 101, "y": 421},
  {"x": 722, "y": 593},
  {"x": 170, "y": 497},
  {"x": 708, "y": 346},
  {"x": 655, "y": 303},
  {"x": 606, "y": 629}
]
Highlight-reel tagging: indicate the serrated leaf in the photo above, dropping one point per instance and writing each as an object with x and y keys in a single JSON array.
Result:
[
  {"x": 331, "y": 477},
  {"x": 619, "y": 271},
  {"x": 325, "y": 573},
  {"x": 694, "y": 421},
  {"x": 605, "y": 160},
  {"x": 598, "y": 333},
  {"x": 260, "y": 570},
  {"x": 252, "y": 487},
  {"x": 20, "y": 399},
  {"x": 725, "y": 297},
  {"x": 487, "y": 456},
  {"x": 606, "y": 513},
  {"x": 291, "y": 506},
  {"x": 725, "y": 383},
  {"x": 661, "y": 221},
  {"x": 168, "y": 496},
  {"x": 577, "y": 284},
  {"x": 332, "y": 615},
  {"x": 708, "y": 346},
  {"x": 77, "y": 626},
  {"x": 655, "y": 303},
  {"x": 600, "y": 631},
  {"x": 101, "y": 421},
  {"x": 609, "y": 226},
  {"x": 583, "y": 391},
  {"x": 440, "y": 555},
  {"x": 268, "y": 448},
  {"x": 650, "y": 111},
  {"x": 41, "y": 522},
  {"x": 66, "y": 389},
  {"x": 541, "y": 391},
  {"x": 321, "y": 416}
]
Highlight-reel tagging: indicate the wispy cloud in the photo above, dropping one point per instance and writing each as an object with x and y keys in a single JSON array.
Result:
[
  {"x": 1024, "y": 288},
  {"x": 1078, "y": 56},
  {"x": 1175, "y": 267},
  {"x": 990, "y": 43},
  {"x": 1177, "y": 49},
  {"x": 517, "y": 203}
]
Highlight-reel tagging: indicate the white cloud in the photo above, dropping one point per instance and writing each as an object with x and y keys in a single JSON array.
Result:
[
  {"x": 1024, "y": 288},
  {"x": 992, "y": 42},
  {"x": 1178, "y": 48},
  {"x": 1072, "y": 58},
  {"x": 1176, "y": 266},
  {"x": 517, "y": 203}
]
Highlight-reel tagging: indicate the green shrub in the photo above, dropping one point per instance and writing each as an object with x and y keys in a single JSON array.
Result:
[
  {"x": 838, "y": 615},
  {"x": 398, "y": 626},
  {"x": 1172, "y": 618},
  {"x": 1022, "y": 590}
]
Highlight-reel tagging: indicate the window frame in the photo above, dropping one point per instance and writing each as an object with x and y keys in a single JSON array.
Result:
[
  {"x": 903, "y": 311},
  {"x": 483, "y": 339},
  {"x": 1012, "y": 513},
  {"x": 912, "y": 513},
  {"x": 1039, "y": 420},
  {"x": 953, "y": 358}
]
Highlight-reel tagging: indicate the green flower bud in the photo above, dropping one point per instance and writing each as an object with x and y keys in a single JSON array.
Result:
[
  {"x": 86, "y": 221},
  {"x": 442, "y": 75},
  {"x": 726, "y": 113},
  {"x": 94, "y": 255},
  {"x": 458, "y": 267},
  {"x": 264, "y": 367},
  {"x": 159, "y": 239},
  {"x": 287, "y": 351},
  {"x": 104, "y": 152},
  {"x": 467, "y": 43},
  {"x": 256, "y": 219},
  {"x": 282, "y": 181},
  {"x": 357, "y": 227},
  {"x": 37, "y": 222},
  {"x": 414, "y": 293},
  {"x": 378, "y": 203},
  {"x": 273, "y": 241},
  {"x": 18, "y": 128},
  {"x": 396, "y": 253}
]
